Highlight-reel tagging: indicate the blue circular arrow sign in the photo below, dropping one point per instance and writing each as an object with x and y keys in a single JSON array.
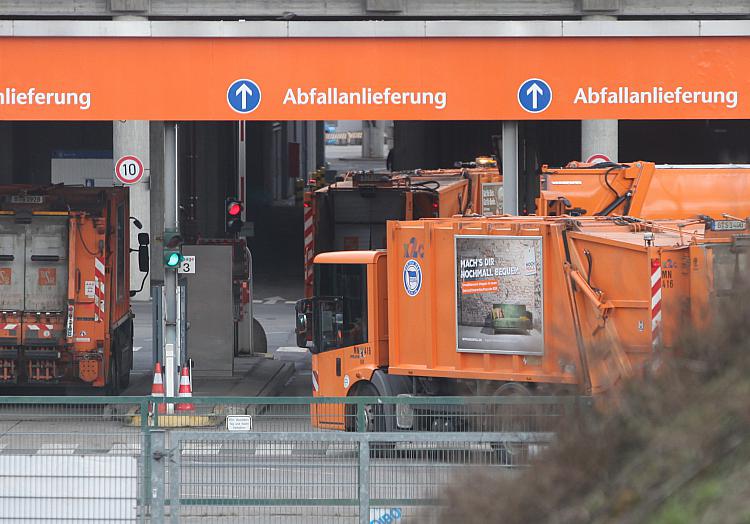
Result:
[
  {"x": 534, "y": 95},
  {"x": 243, "y": 95}
]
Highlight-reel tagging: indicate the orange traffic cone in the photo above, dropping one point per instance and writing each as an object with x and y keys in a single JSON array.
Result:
[
  {"x": 185, "y": 391},
  {"x": 157, "y": 389}
]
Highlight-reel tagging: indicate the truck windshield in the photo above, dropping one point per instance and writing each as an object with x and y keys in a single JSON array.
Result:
[{"x": 341, "y": 310}]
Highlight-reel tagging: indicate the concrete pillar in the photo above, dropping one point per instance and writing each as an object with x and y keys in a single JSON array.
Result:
[
  {"x": 311, "y": 141},
  {"x": 389, "y": 134},
  {"x": 131, "y": 137},
  {"x": 373, "y": 138},
  {"x": 320, "y": 143},
  {"x": 510, "y": 167},
  {"x": 156, "y": 189},
  {"x": 599, "y": 136},
  {"x": 6, "y": 152}
]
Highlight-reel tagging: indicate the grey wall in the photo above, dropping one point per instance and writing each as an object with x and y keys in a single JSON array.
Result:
[{"x": 371, "y": 8}]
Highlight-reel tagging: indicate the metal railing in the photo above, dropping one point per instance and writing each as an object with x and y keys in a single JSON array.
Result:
[{"x": 119, "y": 458}]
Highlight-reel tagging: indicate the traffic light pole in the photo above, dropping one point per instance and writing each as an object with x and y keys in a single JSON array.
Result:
[{"x": 171, "y": 349}]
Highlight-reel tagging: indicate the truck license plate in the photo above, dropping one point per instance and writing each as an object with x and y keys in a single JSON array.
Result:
[
  {"x": 27, "y": 199},
  {"x": 728, "y": 225}
]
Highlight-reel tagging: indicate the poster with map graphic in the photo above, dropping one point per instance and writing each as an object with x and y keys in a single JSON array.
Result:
[{"x": 499, "y": 294}]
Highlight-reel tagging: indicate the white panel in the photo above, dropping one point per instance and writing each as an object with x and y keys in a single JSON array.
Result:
[
  {"x": 478, "y": 28},
  {"x": 724, "y": 27},
  {"x": 369, "y": 28},
  {"x": 73, "y": 488},
  {"x": 81, "y": 28},
  {"x": 612, "y": 28},
  {"x": 249, "y": 29}
]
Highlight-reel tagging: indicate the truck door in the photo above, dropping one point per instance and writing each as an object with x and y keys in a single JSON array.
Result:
[
  {"x": 46, "y": 264},
  {"x": 46, "y": 280},
  {"x": 339, "y": 323},
  {"x": 12, "y": 245},
  {"x": 12, "y": 248}
]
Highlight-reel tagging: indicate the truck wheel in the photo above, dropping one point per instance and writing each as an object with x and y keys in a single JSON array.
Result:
[
  {"x": 260, "y": 343},
  {"x": 113, "y": 380},
  {"x": 374, "y": 420},
  {"x": 127, "y": 346},
  {"x": 512, "y": 418},
  {"x": 125, "y": 380}
]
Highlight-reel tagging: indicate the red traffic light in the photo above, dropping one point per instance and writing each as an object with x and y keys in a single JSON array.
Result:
[{"x": 234, "y": 208}]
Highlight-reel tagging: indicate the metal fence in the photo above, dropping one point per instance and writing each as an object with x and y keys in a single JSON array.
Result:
[{"x": 75, "y": 459}]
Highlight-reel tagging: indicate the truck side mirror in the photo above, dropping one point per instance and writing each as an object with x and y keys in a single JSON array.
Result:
[
  {"x": 301, "y": 330},
  {"x": 301, "y": 327},
  {"x": 143, "y": 257},
  {"x": 143, "y": 239}
]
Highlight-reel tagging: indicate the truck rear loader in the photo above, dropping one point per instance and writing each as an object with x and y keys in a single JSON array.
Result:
[
  {"x": 65, "y": 316},
  {"x": 512, "y": 305},
  {"x": 351, "y": 214},
  {"x": 645, "y": 190}
]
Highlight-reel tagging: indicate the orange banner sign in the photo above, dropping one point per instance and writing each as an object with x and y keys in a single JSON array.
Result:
[
  {"x": 373, "y": 78},
  {"x": 472, "y": 287}
]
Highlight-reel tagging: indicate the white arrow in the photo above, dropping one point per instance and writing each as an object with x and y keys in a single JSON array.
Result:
[
  {"x": 534, "y": 90},
  {"x": 274, "y": 300},
  {"x": 246, "y": 91}
]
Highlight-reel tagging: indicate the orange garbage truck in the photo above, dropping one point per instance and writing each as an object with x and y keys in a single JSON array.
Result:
[
  {"x": 645, "y": 190},
  {"x": 512, "y": 305},
  {"x": 65, "y": 316},
  {"x": 351, "y": 214}
]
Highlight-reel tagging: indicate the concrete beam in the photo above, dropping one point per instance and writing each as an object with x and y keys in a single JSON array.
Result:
[
  {"x": 358, "y": 8},
  {"x": 384, "y": 6},
  {"x": 599, "y": 6},
  {"x": 129, "y": 6},
  {"x": 136, "y": 27}
]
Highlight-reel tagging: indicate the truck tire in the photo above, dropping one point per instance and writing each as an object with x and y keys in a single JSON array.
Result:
[
  {"x": 260, "y": 343},
  {"x": 124, "y": 379},
  {"x": 124, "y": 343},
  {"x": 375, "y": 419},
  {"x": 511, "y": 419},
  {"x": 113, "y": 379}
]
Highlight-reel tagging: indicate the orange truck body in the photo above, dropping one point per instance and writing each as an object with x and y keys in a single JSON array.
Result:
[
  {"x": 65, "y": 315},
  {"x": 645, "y": 190},
  {"x": 552, "y": 305},
  {"x": 352, "y": 214}
]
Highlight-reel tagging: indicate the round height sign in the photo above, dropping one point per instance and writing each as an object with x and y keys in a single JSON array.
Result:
[{"x": 129, "y": 169}]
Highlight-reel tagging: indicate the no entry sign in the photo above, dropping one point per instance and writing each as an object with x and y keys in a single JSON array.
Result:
[
  {"x": 597, "y": 158},
  {"x": 129, "y": 169}
]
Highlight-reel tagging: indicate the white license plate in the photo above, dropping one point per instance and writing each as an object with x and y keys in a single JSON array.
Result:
[
  {"x": 26, "y": 199},
  {"x": 728, "y": 225}
]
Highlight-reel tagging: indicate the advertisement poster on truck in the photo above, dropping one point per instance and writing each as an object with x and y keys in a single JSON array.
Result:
[{"x": 499, "y": 295}]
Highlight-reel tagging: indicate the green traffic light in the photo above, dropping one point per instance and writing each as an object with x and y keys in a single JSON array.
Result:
[{"x": 172, "y": 259}]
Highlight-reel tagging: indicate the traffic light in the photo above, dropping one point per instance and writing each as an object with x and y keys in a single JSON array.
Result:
[
  {"x": 233, "y": 215},
  {"x": 172, "y": 249}
]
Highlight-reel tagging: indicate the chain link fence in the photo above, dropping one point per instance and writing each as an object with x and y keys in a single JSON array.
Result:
[{"x": 361, "y": 459}]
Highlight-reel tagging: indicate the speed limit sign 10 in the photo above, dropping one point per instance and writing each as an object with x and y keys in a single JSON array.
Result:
[{"x": 129, "y": 169}]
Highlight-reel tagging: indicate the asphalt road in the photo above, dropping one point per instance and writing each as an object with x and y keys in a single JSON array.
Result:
[{"x": 274, "y": 309}]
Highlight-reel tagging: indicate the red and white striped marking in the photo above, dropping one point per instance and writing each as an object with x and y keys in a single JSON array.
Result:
[
  {"x": 309, "y": 247},
  {"x": 655, "y": 301},
  {"x": 43, "y": 329},
  {"x": 9, "y": 327},
  {"x": 316, "y": 384},
  {"x": 98, "y": 289}
]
